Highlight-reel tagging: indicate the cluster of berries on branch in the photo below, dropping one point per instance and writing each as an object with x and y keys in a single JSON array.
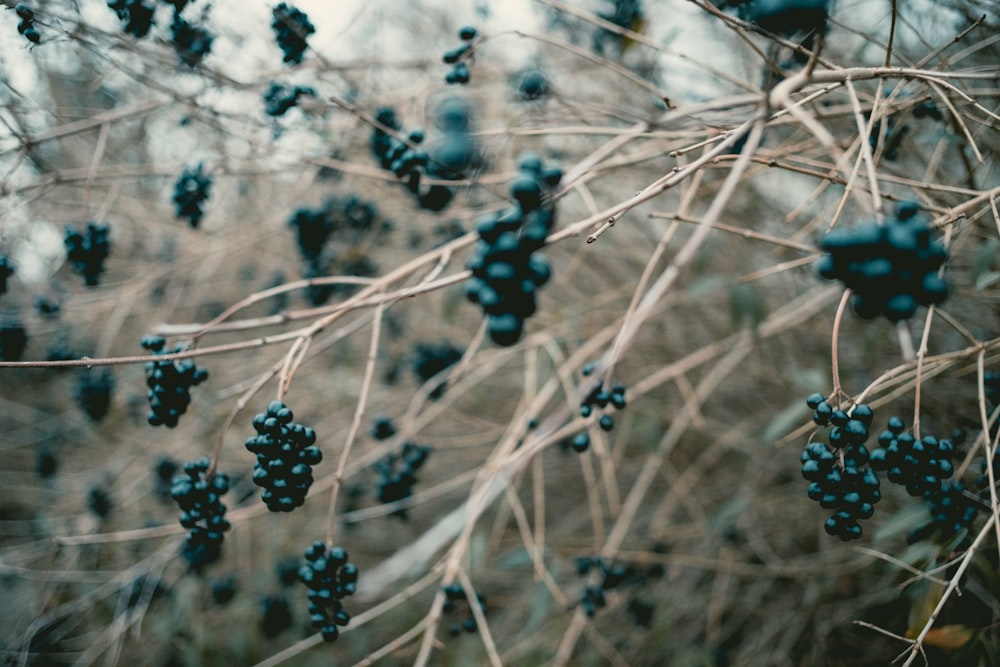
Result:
[
  {"x": 612, "y": 576},
  {"x": 920, "y": 465},
  {"x": 26, "y": 25},
  {"x": 93, "y": 392},
  {"x": 291, "y": 29},
  {"x": 507, "y": 270},
  {"x": 839, "y": 476},
  {"x": 191, "y": 191},
  {"x": 952, "y": 513},
  {"x": 86, "y": 250},
  {"x": 460, "y": 56},
  {"x": 407, "y": 160},
  {"x": 191, "y": 42},
  {"x": 397, "y": 470},
  {"x": 279, "y": 98},
  {"x": 286, "y": 452},
  {"x": 433, "y": 358},
  {"x": 330, "y": 578},
  {"x": 454, "y": 597},
  {"x": 890, "y": 268},
  {"x": 169, "y": 383},
  {"x": 199, "y": 495},
  {"x": 136, "y": 14}
]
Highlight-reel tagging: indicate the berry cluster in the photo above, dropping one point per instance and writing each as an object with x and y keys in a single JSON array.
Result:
[
  {"x": 291, "y": 28},
  {"x": 612, "y": 576},
  {"x": 407, "y": 160},
  {"x": 951, "y": 514},
  {"x": 191, "y": 191},
  {"x": 169, "y": 383},
  {"x": 13, "y": 338},
  {"x": 919, "y": 465},
  {"x": 26, "y": 26},
  {"x": 279, "y": 98},
  {"x": 276, "y": 616},
  {"x": 87, "y": 250},
  {"x": 454, "y": 595},
  {"x": 891, "y": 268},
  {"x": 286, "y": 452},
  {"x": 198, "y": 495},
  {"x": 330, "y": 578},
  {"x": 136, "y": 14},
  {"x": 192, "y": 42},
  {"x": 460, "y": 57},
  {"x": 506, "y": 270},
  {"x": 314, "y": 227},
  {"x": 93, "y": 391},
  {"x": 6, "y": 271},
  {"x": 430, "y": 359},
  {"x": 599, "y": 397},
  {"x": 398, "y": 474},
  {"x": 99, "y": 502},
  {"x": 383, "y": 428},
  {"x": 927, "y": 109},
  {"x": 840, "y": 480},
  {"x": 456, "y": 152},
  {"x": 785, "y": 17}
]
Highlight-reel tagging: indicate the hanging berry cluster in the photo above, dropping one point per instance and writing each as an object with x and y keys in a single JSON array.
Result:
[
  {"x": 460, "y": 56},
  {"x": 191, "y": 42},
  {"x": 286, "y": 452},
  {"x": 279, "y": 98},
  {"x": 454, "y": 596},
  {"x": 291, "y": 29},
  {"x": 26, "y": 26},
  {"x": 87, "y": 250},
  {"x": 199, "y": 497},
  {"x": 612, "y": 576},
  {"x": 891, "y": 268},
  {"x": 136, "y": 14},
  {"x": 169, "y": 383},
  {"x": 191, "y": 191},
  {"x": 93, "y": 392},
  {"x": 506, "y": 269},
  {"x": 919, "y": 465},
  {"x": 952, "y": 512},
  {"x": 398, "y": 474},
  {"x": 330, "y": 578},
  {"x": 432, "y": 358},
  {"x": 840, "y": 479},
  {"x": 407, "y": 160}
]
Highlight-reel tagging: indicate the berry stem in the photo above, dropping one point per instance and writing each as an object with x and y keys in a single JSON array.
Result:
[
  {"x": 359, "y": 412},
  {"x": 834, "y": 360},
  {"x": 905, "y": 342},
  {"x": 921, "y": 354}
]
